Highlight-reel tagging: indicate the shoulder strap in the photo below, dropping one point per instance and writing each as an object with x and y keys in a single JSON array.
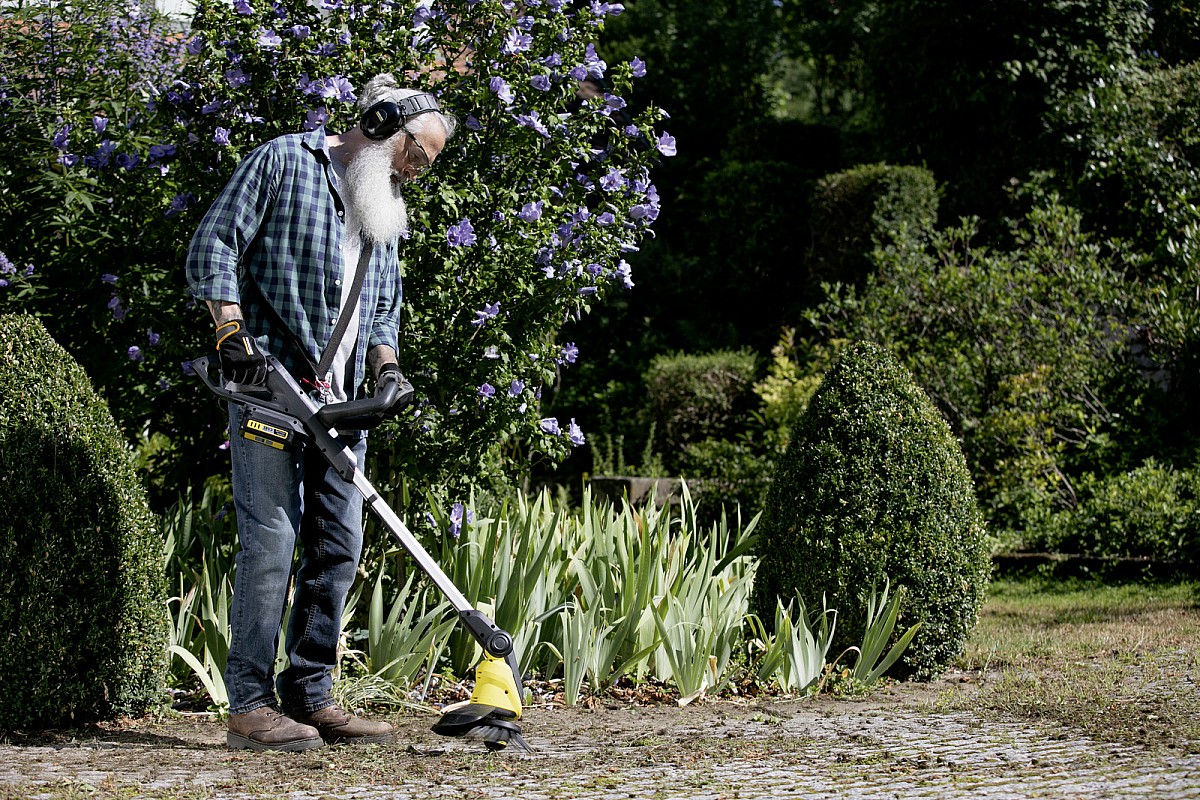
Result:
[{"x": 347, "y": 312}]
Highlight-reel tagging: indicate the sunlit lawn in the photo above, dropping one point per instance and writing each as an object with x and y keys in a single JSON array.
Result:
[{"x": 1118, "y": 662}]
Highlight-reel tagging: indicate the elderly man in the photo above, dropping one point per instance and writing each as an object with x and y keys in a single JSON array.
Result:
[{"x": 302, "y": 238}]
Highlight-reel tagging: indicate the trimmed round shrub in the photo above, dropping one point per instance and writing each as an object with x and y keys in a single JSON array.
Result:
[
  {"x": 702, "y": 396},
  {"x": 857, "y": 210},
  {"x": 874, "y": 484},
  {"x": 83, "y": 624}
]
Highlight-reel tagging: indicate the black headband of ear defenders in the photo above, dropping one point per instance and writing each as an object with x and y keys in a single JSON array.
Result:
[{"x": 383, "y": 119}]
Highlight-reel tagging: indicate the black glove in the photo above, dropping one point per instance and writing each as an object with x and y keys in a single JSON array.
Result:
[
  {"x": 241, "y": 360},
  {"x": 404, "y": 389}
]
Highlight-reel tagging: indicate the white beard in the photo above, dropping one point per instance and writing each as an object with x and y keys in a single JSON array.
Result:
[{"x": 372, "y": 196}]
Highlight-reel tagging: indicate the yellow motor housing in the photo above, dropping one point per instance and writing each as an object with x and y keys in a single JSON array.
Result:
[{"x": 496, "y": 686}]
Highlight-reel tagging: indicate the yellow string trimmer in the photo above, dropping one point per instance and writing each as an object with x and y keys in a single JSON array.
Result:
[{"x": 280, "y": 412}]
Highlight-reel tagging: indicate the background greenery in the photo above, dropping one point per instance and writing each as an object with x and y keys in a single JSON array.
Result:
[
  {"x": 1003, "y": 196},
  {"x": 1024, "y": 237},
  {"x": 1006, "y": 200}
]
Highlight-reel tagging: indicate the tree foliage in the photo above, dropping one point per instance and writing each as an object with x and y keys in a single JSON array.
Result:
[
  {"x": 963, "y": 86},
  {"x": 1021, "y": 350},
  {"x": 1132, "y": 158},
  {"x": 1131, "y": 164}
]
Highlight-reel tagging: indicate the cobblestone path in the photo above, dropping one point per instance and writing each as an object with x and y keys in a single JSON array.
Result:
[{"x": 740, "y": 752}]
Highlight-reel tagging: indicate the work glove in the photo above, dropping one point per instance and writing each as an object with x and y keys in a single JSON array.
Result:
[
  {"x": 404, "y": 393},
  {"x": 241, "y": 360}
]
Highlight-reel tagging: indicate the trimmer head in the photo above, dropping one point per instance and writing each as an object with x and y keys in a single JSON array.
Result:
[
  {"x": 491, "y": 713},
  {"x": 492, "y": 726}
]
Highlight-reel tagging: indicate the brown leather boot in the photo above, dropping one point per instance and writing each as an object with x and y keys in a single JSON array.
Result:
[
  {"x": 342, "y": 727},
  {"x": 267, "y": 729}
]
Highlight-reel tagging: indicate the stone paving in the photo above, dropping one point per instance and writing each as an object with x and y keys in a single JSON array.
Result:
[{"x": 874, "y": 753}]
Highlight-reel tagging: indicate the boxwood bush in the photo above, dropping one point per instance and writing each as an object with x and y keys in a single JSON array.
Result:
[
  {"x": 693, "y": 397},
  {"x": 82, "y": 613},
  {"x": 874, "y": 484},
  {"x": 861, "y": 208}
]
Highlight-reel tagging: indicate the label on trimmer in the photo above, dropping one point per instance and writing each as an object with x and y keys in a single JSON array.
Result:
[
  {"x": 268, "y": 430},
  {"x": 263, "y": 429},
  {"x": 278, "y": 445}
]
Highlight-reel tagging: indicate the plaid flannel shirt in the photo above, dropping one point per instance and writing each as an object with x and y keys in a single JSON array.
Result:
[{"x": 280, "y": 217}]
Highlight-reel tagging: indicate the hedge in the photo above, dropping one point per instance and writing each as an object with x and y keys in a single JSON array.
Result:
[
  {"x": 861, "y": 208},
  {"x": 83, "y": 624}
]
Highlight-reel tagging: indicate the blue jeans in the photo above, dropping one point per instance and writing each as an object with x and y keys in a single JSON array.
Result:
[{"x": 282, "y": 496}]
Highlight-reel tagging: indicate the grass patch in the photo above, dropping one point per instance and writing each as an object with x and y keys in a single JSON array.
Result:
[{"x": 1118, "y": 662}]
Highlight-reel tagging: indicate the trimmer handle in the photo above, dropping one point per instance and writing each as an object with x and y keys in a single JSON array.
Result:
[
  {"x": 282, "y": 395},
  {"x": 200, "y": 366},
  {"x": 361, "y": 414},
  {"x": 351, "y": 415}
]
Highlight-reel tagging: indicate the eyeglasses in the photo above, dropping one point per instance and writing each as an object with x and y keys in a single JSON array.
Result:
[{"x": 422, "y": 161}]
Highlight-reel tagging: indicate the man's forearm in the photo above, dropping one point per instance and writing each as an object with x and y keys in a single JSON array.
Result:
[
  {"x": 223, "y": 312},
  {"x": 378, "y": 356}
]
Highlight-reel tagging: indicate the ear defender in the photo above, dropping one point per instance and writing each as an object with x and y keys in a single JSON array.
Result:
[{"x": 384, "y": 119}]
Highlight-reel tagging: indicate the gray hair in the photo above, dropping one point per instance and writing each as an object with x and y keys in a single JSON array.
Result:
[{"x": 384, "y": 87}]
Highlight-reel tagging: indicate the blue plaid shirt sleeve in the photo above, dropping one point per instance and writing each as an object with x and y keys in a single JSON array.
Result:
[
  {"x": 280, "y": 221},
  {"x": 386, "y": 325},
  {"x": 230, "y": 225}
]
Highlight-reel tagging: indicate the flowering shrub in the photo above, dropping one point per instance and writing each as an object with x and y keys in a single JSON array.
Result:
[
  {"x": 522, "y": 223},
  {"x": 87, "y": 187}
]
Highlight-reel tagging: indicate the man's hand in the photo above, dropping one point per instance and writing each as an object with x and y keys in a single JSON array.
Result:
[
  {"x": 241, "y": 360},
  {"x": 404, "y": 393}
]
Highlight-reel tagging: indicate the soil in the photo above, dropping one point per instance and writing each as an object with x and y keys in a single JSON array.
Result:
[{"x": 907, "y": 740}]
